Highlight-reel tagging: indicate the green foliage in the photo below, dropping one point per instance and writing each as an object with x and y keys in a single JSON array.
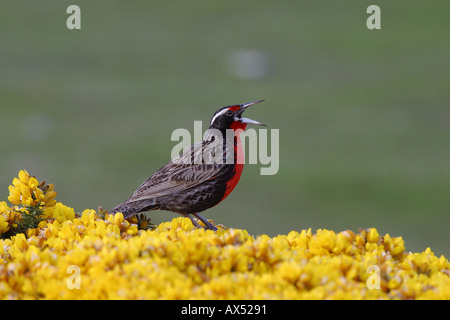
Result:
[{"x": 30, "y": 217}]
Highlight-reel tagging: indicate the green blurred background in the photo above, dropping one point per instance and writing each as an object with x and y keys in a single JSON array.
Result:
[{"x": 363, "y": 114}]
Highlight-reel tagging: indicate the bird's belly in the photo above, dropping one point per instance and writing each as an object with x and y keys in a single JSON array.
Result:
[{"x": 196, "y": 199}]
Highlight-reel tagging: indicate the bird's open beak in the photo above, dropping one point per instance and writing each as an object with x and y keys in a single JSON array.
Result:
[{"x": 247, "y": 120}]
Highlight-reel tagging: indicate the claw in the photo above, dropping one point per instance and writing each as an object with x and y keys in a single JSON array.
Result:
[{"x": 205, "y": 222}]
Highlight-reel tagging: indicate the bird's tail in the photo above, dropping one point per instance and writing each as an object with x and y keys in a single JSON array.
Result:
[{"x": 128, "y": 208}]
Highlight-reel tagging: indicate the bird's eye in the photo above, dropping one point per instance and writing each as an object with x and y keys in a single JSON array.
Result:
[{"x": 229, "y": 113}]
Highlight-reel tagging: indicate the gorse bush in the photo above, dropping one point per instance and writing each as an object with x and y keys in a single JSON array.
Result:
[{"x": 47, "y": 251}]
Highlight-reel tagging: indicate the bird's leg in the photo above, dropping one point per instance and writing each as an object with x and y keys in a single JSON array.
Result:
[
  {"x": 195, "y": 223},
  {"x": 205, "y": 222}
]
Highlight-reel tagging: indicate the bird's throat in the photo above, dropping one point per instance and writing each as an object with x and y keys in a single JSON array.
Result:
[
  {"x": 238, "y": 157},
  {"x": 236, "y": 125}
]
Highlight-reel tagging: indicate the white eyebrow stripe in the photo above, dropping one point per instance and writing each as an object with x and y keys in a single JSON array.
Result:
[{"x": 217, "y": 115}]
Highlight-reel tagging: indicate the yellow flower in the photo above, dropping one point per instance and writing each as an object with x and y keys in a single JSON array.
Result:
[
  {"x": 372, "y": 235},
  {"x": 111, "y": 258},
  {"x": 4, "y": 217},
  {"x": 8, "y": 217},
  {"x": 4, "y": 225},
  {"x": 59, "y": 212},
  {"x": 26, "y": 190}
]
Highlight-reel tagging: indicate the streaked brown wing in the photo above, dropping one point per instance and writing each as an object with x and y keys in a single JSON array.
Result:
[{"x": 178, "y": 175}]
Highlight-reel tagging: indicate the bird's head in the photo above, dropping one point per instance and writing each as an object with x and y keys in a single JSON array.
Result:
[{"x": 230, "y": 117}]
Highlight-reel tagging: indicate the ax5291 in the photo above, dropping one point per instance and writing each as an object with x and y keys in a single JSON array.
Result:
[{"x": 245, "y": 309}]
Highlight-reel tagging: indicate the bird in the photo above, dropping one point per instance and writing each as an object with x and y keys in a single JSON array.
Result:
[{"x": 201, "y": 176}]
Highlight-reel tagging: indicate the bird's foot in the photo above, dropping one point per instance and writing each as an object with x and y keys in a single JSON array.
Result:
[{"x": 208, "y": 225}]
